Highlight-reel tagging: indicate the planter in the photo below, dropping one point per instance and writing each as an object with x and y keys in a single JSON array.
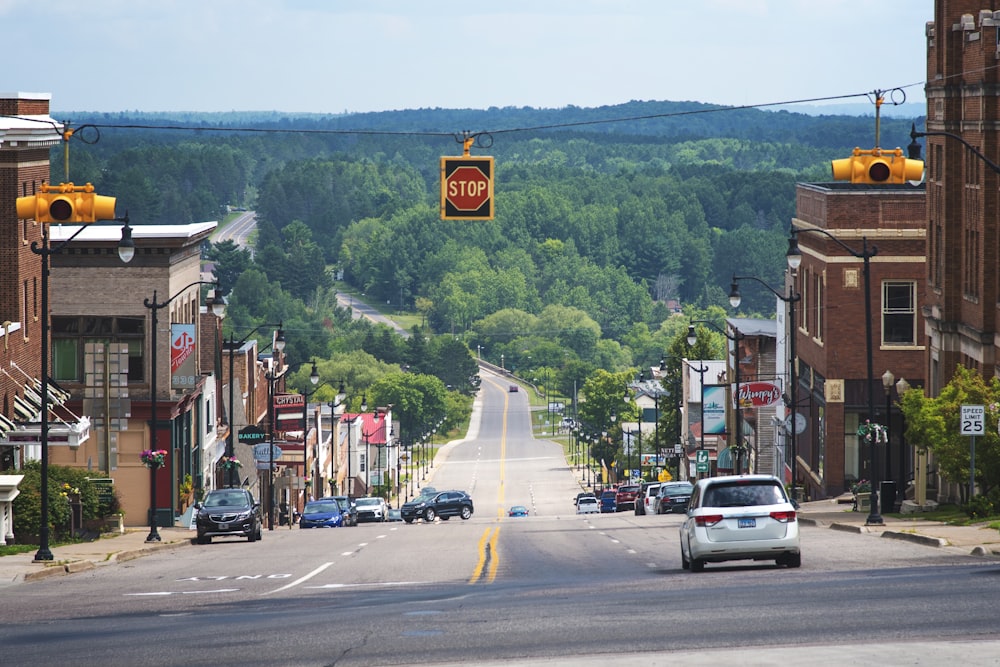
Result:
[{"x": 862, "y": 502}]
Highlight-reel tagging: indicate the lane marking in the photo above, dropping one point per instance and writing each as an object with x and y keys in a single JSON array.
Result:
[{"x": 300, "y": 580}]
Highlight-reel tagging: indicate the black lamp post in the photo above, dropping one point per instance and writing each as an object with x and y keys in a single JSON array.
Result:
[
  {"x": 126, "y": 250},
  {"x": 218, "y": 309},
  {"x": 692, "y": 338},
  {"x": 791, "y": 299},
  {"x": 233, "y": 346},
  {"x": 794, "y": 256},
  {"x": 341, "y": 394},
  {"x": 701, "y": 370}
]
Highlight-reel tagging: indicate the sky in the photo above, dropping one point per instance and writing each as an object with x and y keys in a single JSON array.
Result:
[{"x": 338, "y": 56}]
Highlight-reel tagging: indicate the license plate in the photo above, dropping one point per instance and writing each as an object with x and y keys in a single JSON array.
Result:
[
  {"x": 225, "y": 526},
  {"x": 746, "y": 523}
]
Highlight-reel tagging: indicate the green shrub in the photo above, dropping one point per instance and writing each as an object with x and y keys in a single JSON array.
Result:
[
  {"x": 980, "y": 507},
  {"x": 61, "y": 480}
]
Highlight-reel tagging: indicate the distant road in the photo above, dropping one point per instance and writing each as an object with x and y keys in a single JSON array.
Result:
[{"x": 239, "y": 230}]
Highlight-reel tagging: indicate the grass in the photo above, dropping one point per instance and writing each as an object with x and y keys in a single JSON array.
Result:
[{"x": 952, "y": 515}]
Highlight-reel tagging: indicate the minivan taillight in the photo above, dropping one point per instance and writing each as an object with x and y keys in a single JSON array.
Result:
[
  {"x": 708, "y": 519},
  {"x": 783, "y": 517}
]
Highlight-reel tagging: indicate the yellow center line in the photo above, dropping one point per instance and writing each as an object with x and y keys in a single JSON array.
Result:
[{"x": 489, "y": 559}]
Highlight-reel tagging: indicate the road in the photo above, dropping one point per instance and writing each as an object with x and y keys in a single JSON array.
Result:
[{"x": 551, "y": 587}]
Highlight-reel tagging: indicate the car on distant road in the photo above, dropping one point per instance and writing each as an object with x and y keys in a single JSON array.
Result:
[
  {"x": 347, "y": 508},
  {"x": 227, "y": 512},
  {"x": 444, "y": 504},
  {"x": 673, "y": 497},
  {"x": 588, "y": 505},
  {"x": 626, "y": 496},
  {"x": 371, "y": 508},
  {"x": 512, "y": 388},
  {"x": 739, "y": 517},
  {"x": 518, "y": 510},
  {"x": 644, "y": 504},
  {"x": 323, "y": 513}
]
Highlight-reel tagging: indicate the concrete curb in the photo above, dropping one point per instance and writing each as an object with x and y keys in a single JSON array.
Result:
[
  {"x": 914, "y": 537},
  {"x": 82, "y": 565}
]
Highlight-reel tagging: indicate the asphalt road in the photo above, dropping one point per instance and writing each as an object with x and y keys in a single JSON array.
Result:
[{"x": 552, "y": 588}]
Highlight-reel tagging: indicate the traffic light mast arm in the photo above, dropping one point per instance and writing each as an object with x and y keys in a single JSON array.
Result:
[{"x": 975, "y": 151}]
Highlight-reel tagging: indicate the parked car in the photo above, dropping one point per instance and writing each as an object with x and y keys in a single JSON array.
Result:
[
  {"x": 583, "y": 494},
  {"x": 645, "y": 503},
  {"x": 347, "y": 508},
  {"x": 518, "y": 510},
  {"x": 608, "y": 499},
  {"x": 673, "y": 497},
  {"x": 588, "y": 505},
  {"x": 321, "y": 513},
  {"x": 372, "y": 509},
  {"x": 444, "y": 504},
  {"x": 739, "y": 517},
  {"x": 626, "y": 496},
  {"x": 226, "y": 512}
]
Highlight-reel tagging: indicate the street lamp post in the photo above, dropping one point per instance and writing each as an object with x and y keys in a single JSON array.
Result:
[
  {"x": 218, "y": 309},
  {"x": 794, "y": 257},
  {"x": 701, "y": 370},
  {"x": 232, "y": 345},
  {"x": 738, "y": 425},
  {"x": 791, "y": 299},
  {"x": 126, "y": 250},
  {"x": 341, "y": 394}
]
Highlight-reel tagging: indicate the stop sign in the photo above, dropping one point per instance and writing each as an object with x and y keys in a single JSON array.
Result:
[{"x": 466, "y": 188}]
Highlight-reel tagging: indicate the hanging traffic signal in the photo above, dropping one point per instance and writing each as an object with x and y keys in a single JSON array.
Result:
[
  {"x": 66, "y": 203},
  {"x": 877, "y": 167}
]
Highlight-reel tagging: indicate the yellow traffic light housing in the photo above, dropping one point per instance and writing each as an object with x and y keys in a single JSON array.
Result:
[
  {"x": 877, "y": 167},
  {"x": 66, "y": 203}
]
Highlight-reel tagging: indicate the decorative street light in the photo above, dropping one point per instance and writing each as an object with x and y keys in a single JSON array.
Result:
[
  {"x": 341, "y": 394},
  {"x": 791, "y": 299},
  {"x": 692, "y": 338},
  {"x": 794, "y": 257},
  {"x": 218, "y": 309},
  {"x": 126, "y": 250},
  {"x": 701, "y": 370}
]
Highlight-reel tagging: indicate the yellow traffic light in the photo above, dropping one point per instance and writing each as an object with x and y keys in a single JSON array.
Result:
[
  {"x": 66, "y": 203},
  {"x": 877, "y": 167}
]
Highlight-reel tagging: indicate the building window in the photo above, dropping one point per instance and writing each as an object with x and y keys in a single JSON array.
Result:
[
  {"x": 899, "y": 313},
  {"x": 70, "y": 334}
]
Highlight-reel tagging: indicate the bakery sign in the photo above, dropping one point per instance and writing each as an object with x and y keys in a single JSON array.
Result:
[{"x": 759, "y": 394}]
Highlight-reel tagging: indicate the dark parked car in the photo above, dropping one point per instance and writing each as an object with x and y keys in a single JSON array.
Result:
[
  {"x": 347, "y": 508},
  {"x": 673, "y": 497},
  {"x": 323, "y": 513},
  {"x": 445, "y": 504},
  {"x": 226, "y": 512}
]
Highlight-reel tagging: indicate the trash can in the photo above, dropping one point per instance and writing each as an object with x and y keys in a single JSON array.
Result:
[{"x": 887, "y": 497}]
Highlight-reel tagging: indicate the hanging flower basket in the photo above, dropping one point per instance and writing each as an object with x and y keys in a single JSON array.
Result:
[
  {"x": 230, "y": 462},
  {"x": 873, "y": 433},
  {"x": 154, "y": 458}
]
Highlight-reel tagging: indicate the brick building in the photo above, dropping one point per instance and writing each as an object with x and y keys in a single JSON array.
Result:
[
  {"x": 833, "y": 391},
  {"x": 962, "y": 284}
]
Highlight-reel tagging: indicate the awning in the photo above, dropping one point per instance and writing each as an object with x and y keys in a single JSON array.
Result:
[{"x": 25, "y": 426}]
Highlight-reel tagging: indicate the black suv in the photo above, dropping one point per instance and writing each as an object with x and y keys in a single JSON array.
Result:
[
  {"x": 228, "y": 512},
  {"x": 444, "y": 504}
]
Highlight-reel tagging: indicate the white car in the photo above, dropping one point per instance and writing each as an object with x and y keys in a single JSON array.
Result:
[
  {"x": 739, "y": 517},
  {"x": 646, "y": 502},
  {"x": 588, "y": 505},
  {"x": 372, "y": 509}
]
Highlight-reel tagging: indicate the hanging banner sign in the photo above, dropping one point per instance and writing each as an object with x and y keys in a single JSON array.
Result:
[
  {"x": 183, "y": 371},
  {"x": 713, "y": 409}
]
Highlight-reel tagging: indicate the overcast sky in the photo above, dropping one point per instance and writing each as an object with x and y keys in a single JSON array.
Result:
[{"x": 335, "y": 56}]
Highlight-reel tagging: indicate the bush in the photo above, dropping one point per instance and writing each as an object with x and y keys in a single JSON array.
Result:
[
  {"x": 28, "y": 504},
  {"x": 980, "y": 507}
]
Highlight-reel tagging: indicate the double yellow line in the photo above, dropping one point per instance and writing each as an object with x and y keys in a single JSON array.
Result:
[{"x": 489, "y": 559}]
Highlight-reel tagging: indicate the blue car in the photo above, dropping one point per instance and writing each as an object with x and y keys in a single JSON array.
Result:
[
  {"x": 321, "y": 514},
  {"x": 518, "y": 510},
  {"x": 609, "y": 502}
]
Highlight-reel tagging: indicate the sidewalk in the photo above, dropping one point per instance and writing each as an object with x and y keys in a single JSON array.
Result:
[
  {"x": 975, "y": 540},
  {"x": 69, "y": 558}
]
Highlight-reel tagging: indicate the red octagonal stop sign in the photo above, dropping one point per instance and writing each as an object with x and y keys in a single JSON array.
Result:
[{"x": 467, "y": 188}]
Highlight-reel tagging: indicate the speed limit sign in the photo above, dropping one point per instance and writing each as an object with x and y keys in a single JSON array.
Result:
[{"x": 973, "y": 420}]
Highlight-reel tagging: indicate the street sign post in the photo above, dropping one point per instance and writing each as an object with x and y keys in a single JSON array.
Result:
[
  {"x": 701, "y": 460},
  {"x": 973, "y": 423},
  {"x": 466, "y": 188}
]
